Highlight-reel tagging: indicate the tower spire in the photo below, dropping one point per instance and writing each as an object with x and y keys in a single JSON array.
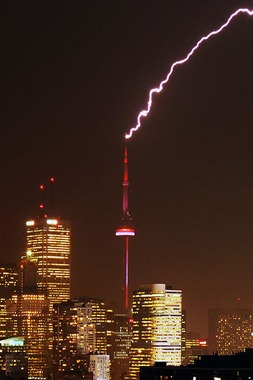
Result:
[
  {"x": 125, "y": 183},
  {"x": 126, "y": 228}
]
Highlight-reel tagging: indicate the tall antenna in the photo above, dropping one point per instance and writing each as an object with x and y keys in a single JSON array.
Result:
[{"x": 126, "y": 228}]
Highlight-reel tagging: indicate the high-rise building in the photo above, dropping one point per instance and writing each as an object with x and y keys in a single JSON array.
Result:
[
  {"x": 157, "y": 327},
  {"x": 28, "y": 316},
  {"x": 80, "y": 328},
  {"x": 8, "y": 287},
  {"x": 30, "y": 319},
  {"x": 48, "y": 245},
  {"x": 183, "y": 340},
  {"x": 230, "y": 330},
  {"x": 121, "y": 343}
]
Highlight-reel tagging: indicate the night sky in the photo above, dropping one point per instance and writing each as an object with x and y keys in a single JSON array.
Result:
[{"x": 74, "y": 75}]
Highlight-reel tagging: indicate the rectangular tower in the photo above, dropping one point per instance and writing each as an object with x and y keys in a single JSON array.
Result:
[
  {"x": 48, "y": 244},
  {"x": 30, "y": 318},
  {"x": 230, "y": 330},
  {"x": 8, "y": 287},
  {"x": 121, "y": 343},
  {"x": 80, "y": 327},
  {"x": 157, "y": 327}
]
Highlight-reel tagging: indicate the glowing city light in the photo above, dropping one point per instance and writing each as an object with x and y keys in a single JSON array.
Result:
[
  {"x": 53, "y": 222},
  {"x": 30, "y": 223},
  {"x": 157, "y": 90},
  {"x": 14, "y": 341},
  {"x": 125, "y": 232}
]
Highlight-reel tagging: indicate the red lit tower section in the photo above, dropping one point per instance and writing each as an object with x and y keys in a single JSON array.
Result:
[{"x": 126, "y": 228}]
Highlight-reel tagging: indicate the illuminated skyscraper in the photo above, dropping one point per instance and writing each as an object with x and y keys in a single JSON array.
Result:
[
  {"x": 48, "y": 245},
  {"x": 230, "y": 330},
  {"x": 157, "y": 327},
  {"x": 122, "y": 336},
  {"x": 8, "y": 286},
  {"x": 80, "y": 328},
  {"x": 183, "y": 340},
  {"x": 31, "y": 319}
]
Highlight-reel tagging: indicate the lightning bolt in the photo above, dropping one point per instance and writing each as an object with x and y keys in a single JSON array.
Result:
[{"x": 157, "y": 90}]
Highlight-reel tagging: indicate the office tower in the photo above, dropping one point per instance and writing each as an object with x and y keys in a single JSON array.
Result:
[
  {"x": 80, "y": 328},
  {"x": 31, "y": 319},
  {"x": 183, "y": 340},
  {"x": 122, "y": 336},
  {"x": 13, "y": 358},
  {"x": 230, "y": 330},
  {"x": 74, "y": 336},
  {"x": 126, "y": 229},
  {"x": 109, "y": 329},
  {"x": 99, "y": 365},
  {"x": 157, "y": 327},
  {"x": 8, "y": 286},
  {"x": 48, "y": 245}
]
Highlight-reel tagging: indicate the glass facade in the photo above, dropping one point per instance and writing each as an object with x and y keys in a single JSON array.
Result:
[
  {"x": 157, "y": 327},
  {"x": 121, "y": 343},
  {"x": 48, "y": 244},
  {"x": 31, "y": 320},
  {"x": 230, "y": 330},
  {"x": 80, "y": 328},
  {"x": 8, "y": 286}
]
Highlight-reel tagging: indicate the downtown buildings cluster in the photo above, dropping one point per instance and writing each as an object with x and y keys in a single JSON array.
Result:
[{"x": 46, "y": 334}]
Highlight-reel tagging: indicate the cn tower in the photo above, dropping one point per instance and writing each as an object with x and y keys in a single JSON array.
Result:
[{"x": 126, "y": 229}]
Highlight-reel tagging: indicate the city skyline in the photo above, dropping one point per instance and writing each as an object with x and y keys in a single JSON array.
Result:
[{"x": 73, "y": 79}]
